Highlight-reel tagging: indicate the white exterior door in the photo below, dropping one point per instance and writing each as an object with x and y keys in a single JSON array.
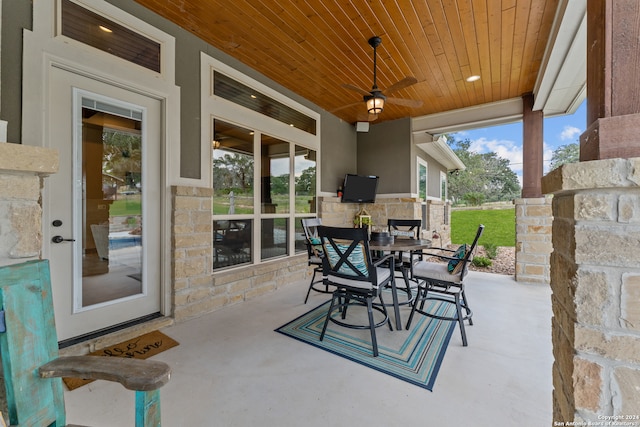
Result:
[{"x": 102, "y": 222}]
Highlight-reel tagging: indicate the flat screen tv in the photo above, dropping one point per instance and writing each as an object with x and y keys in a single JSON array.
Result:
[{"x": 359, "y": 188}]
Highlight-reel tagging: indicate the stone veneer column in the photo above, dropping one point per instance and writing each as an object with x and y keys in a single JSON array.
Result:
[
  {"x": 22, "y": 169},
  {"x": 595, "y": 278},
  {"x": 192, "y": 253},
  {"x": 438, "y": 221},
  {"x": 533, "y": 239}
]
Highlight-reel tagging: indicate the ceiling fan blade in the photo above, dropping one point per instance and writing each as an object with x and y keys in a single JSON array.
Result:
[
  {"x": 346, "y": 106},
  {"x": 406, "y": 82},
  {"x": 412, "y": 103},
  {"x": 366, "y": 117},
  {"x": 357, "y": 89}
]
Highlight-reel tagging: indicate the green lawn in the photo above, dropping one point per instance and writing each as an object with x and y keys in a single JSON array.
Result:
[
  {"x": 500, "y": 226},
  {"x": 126, "y": 207}
]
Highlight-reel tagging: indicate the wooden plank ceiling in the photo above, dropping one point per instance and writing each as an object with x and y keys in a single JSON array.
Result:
[{"x": 313, "y": 47}]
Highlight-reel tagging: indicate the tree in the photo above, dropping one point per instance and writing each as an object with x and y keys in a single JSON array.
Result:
[
  {"x": 233, "y": 171},
  {"x": 306, "y": 182},
  {"x": 486, "y": 174},
  {"x": 569, "y": 153},
  {"x": 280, "y": 184}
]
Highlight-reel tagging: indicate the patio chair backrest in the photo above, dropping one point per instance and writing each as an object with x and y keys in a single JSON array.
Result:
[
  {"x": 29, "y": 341},
  {"x": 405, "y": 228},
  {"x": 470, "y": 253},
  {"x": 347, "y": 257}
]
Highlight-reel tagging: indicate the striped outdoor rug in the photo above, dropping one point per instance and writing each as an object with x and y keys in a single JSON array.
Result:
[{"x": 413, "y": 356}]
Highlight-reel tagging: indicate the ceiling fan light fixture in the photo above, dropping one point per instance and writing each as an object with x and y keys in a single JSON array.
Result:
[{"x": 375, "y": 103}]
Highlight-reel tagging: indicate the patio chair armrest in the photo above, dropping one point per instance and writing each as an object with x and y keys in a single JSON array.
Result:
[
  {"x": 442, "y": 249},
  {"x": 380, "y": 261},
  {"x": 441, "y": 256},
  {"x": 133, "y": 374},
  {"x": 314, "y": 249}
]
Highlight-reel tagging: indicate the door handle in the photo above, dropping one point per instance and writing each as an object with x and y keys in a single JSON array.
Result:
[{"x": 60, "y": 239}]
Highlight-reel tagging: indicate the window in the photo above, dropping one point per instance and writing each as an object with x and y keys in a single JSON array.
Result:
[
  {"x": 443, "y": 185},
  {"x": 233, "y": 194},
  {"x": 240, "y": 94},
  {"x": 305, "y": 180},
  {"x": 422, "y": 179},
  {"x": 263, "y": 172},
  {"x": 101, "y": 33}
]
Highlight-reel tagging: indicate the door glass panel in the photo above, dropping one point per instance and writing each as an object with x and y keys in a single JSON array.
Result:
[
  {"x": 111, "y": 203},
  {"x": 305, "y": 179},
  {"x": 275, "y": 175}
]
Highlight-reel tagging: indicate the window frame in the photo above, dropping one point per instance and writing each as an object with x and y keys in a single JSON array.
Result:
[{"x": 216, "y": 108}]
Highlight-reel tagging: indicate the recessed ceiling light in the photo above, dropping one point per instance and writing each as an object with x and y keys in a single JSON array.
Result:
[
  {"x": 105, "y": 29},
  {"x": 253, "y": 96},
  {"x": 473, "y": 78}
]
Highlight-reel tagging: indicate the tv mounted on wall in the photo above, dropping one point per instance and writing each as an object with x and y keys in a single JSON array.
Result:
[{"x": 359, "y": 188}]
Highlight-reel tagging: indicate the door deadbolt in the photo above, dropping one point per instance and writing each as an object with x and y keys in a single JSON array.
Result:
[
  {"x": 60, "y": 239},
  {"x": 56, "y": 223}
]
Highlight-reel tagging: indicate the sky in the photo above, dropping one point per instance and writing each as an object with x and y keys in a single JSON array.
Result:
[{"x": 506, "y": 140}]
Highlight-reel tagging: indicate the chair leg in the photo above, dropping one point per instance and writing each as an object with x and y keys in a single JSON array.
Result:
[
  {"x": 414, "y": 306},
  {"x": 326, "y": 320},
  {"x": 407, "y": 282},
  {"x": 148, "y": 408},
  {"x": 374, "y": 341},
  {"x": 466, "y": 307},
  {"x": 461, "y": 321},
  {"x": 386, "y": 313},
  {"x": 313, "y": 280}
]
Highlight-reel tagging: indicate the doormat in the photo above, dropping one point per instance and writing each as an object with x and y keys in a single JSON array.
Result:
[{"x": 141, "y": 347}]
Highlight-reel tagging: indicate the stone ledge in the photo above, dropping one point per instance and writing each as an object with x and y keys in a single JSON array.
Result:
[
  {"x": 27, "y": 158},
  {"x": 610, "y": 173}
]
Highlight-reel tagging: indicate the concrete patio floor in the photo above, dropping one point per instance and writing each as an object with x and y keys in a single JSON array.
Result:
[{"x": 232, "y": 369}]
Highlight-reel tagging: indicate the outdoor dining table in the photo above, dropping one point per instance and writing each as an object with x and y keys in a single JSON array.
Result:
[{"x": 399, "y": 245}]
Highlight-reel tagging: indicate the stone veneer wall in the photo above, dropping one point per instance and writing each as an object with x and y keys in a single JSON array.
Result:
[
  {"x": 533, "y": 239},
  {"x": 595, "y": 278},
  {"x": 22, "y": 172},
  {"x": 439, "y": 221},
  {"x": 196, "y": 290},
  {"x": 335, "y": 213}
]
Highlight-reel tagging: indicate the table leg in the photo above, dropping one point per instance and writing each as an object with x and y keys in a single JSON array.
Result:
[{"x": 396, "y": 305}]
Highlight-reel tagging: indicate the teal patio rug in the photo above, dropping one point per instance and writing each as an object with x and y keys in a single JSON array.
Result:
[{"x": 413, "y": 356}]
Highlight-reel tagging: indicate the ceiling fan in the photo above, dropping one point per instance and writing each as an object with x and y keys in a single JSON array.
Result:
[{"x": 376, "y": 98}]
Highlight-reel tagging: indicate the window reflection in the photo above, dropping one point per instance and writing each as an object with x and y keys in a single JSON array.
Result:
[
  {"x": 422, "y": 181},
  {"x": 305, "y": 180},
  {"x": 231, "y": 242},
  {"x": 275, "y": 175},
  {"x": 232, "y": 169},
  {"x": 301, "y": 240},
  {"x": 274, "y": 237}
]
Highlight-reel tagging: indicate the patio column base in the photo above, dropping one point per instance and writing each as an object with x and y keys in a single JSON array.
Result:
[
  {"x": 533, "y": 239},
  {"x": 595, "y": 281}
]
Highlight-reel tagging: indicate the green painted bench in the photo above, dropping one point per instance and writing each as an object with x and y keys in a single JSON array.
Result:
[{"x": 33, "y": 370}]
